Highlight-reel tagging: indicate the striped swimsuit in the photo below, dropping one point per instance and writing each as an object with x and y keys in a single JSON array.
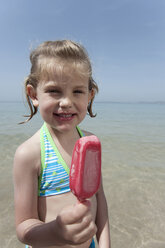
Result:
[{"x": 54, "y": 176}]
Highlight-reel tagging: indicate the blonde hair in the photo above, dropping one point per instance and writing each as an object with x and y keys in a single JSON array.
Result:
[{"x": 61, "y": 51}]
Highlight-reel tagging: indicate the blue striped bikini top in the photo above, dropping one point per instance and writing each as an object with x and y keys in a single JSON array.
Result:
[{"x": 54, "y": 176}]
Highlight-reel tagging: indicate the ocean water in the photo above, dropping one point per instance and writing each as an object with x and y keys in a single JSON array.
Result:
[{"x": 133, "y": 168}]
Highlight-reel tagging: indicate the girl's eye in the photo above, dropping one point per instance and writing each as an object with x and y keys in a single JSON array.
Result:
[
  {"x": 53, "y": 91},
  {"x": 78, "y": 92}
]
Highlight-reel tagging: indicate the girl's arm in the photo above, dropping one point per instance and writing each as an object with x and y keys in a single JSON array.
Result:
[
  {"x": 73, "y": 225},
  {"x": 102, "y": 220}
]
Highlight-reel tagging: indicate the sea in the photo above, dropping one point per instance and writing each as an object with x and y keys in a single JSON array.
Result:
[{"x": 133, "y": 168}]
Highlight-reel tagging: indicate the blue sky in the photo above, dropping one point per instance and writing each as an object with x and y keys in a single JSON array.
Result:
[{"x": 124, "y": 38}]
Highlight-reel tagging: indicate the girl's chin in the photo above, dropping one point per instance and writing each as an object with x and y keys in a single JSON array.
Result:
[{"x": 63, "y": 126}]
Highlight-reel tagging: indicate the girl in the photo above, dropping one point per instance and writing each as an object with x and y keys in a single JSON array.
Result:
[{"x": 47, "y": 213}]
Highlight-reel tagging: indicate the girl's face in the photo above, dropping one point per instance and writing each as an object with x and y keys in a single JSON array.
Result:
[{"x": 63, "y": 99}]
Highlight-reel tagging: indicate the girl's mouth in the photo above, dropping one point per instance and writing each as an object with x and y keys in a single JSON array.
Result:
[{"x": 65, "y": 116}]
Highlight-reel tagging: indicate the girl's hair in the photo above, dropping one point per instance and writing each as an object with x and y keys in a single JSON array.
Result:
[{"x": 61, "y": 51}]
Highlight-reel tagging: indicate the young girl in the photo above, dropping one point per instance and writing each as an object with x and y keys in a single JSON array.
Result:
[{"x": 60, "y": 84}]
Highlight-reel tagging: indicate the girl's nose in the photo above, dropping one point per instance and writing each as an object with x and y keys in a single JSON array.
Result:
[{"x": 65, "y": 102}]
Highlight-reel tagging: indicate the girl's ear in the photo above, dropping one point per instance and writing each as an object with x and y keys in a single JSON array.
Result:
[
  {"x": 91, "y": 95},
  {"x": 32, "y": 93}
]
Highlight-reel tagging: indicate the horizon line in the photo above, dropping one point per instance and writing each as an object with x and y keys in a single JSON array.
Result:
[{"x": 98, "y": 101}]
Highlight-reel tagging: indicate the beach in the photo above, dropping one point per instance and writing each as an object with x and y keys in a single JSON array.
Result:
[{"x": 133, "y": 169}]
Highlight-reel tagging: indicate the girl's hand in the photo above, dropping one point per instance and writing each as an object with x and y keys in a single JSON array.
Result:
[{"x": 74, "y": 224}]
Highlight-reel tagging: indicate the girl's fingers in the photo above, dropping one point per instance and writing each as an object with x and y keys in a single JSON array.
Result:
[
  {"x": 85, "y": 233},
  {"x": 76, "y": 224},
  {"x": 79, "y": 232}
]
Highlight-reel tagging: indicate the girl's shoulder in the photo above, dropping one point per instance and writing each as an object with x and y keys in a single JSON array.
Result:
[{"x": 28, "y": 153}]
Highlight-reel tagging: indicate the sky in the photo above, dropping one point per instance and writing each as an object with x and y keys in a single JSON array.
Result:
[{"x": 125, "y": 40}]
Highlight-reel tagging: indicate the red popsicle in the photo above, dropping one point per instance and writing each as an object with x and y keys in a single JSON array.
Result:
[{"x": 85, "y": 171}]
